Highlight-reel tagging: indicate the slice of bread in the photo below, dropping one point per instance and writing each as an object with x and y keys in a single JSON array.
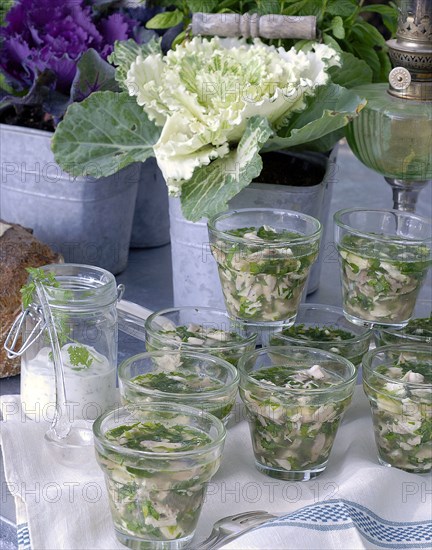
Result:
[{"x": 18, "y": 249}]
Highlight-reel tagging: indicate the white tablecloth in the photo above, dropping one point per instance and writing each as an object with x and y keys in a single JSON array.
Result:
[{"x": 355, "y": 503}]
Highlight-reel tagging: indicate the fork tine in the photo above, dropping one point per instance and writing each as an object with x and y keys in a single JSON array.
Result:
[
  {"x": 214, "y": 535},
  {"x": 233, "y": 528},
  {"x": 216, "y": 527},
  {"x": 226, "y": 535},
  {"x": 221, "y": 529},
  {"x": 245, "y": 515}
]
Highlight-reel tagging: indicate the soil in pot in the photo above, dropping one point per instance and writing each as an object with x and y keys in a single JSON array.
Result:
[
  {"x": 283, "y": 169},
  {"x": 29, "y": 116}
]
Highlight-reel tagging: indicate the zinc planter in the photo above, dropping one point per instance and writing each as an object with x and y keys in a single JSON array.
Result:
[
  {"x": 195, "y": 277},
  {"x": 87, "y": 220},
  {"x": 150, "y": 226}
]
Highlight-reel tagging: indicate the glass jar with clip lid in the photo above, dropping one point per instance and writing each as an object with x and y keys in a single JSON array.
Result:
[{"x": 68, "y": 329}]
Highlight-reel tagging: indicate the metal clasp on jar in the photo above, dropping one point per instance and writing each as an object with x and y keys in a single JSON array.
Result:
[
  {"x": 16, "y": 329},
  {"x": 38, "y": 329}
]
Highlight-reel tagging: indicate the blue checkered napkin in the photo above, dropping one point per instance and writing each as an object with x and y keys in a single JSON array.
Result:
[
  {"x": 332, "y": 516},
  {"x": 23, "y": 536}
]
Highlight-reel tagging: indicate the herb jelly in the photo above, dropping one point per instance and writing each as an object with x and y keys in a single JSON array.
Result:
[{"x": 157, "y": 459}]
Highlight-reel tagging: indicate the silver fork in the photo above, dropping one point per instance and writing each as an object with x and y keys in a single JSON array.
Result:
[{"x": 230, "y": 527}]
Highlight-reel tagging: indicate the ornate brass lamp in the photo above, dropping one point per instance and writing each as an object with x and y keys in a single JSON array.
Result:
[{"x": 393, "y": 134}]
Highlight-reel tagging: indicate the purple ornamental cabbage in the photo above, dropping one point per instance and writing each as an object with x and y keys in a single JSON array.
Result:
[{"x": 53, "y": 34}]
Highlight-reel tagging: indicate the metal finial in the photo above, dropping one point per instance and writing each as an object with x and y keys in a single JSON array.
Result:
[{"x": 412, "y": 50}]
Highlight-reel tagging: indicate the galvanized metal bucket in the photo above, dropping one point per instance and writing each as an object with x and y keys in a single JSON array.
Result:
[
  {"x": 150, "y": 226},
  {"x": 87, "y": 220},
  {"x": 195, "y": 277}
]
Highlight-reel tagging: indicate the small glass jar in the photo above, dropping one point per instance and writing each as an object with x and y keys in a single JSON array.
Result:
[
  {"x": 83, "y": 306},
  {"x": 417, "y": 331},
  {"x": 202, "y": 381}
]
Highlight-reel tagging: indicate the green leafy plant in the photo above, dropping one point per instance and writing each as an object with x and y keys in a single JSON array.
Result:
[
  {"x": 206, "y": 138},
  {"x": 206, "y": 142},
  {"x": 341, "y": 24},
  {"x": 53, "y": 53},
  {"x": 4, "y": 8}
]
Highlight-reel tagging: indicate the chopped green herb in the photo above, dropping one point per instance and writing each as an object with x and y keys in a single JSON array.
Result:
[
  {"x": 420, "y": 327},
  {"x": 37, "y": 275},
  {"x": 141, "y": 436},
  {"x": 80, "y": 356},
  {"x": 216, "y": 389},
  {"x": 177, "y": 382},
  {"x": 326, "y": 333},
  {"x": 288, "y": 377},
  {"x": 226, "y": 344}
]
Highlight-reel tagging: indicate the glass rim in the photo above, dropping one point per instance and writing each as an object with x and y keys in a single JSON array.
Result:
[
  {"x": 400, "y": 335},
  {"x": 100, "y": 295},
  {"x": 337, "y": 217},
  {"x": 302, "y": 239},
  {"x": 372, "y": 354},
  {"x": 333, "y": 309},
  {"x": 192, "y": 395},
  {"x": 284, "y": 391},
  {"x": 161, "y": 335},
  {"x": 151, "y": 407}
]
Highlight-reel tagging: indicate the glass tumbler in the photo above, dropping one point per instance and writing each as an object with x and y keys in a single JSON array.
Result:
[
  {"x": 264, "y": 257},
  {"x": 295, "y": 398},
  {"x": 384, "y": 257},
  {"x": 179, "y": 376},
  {"x": 200, "y": 329},
  {"x": 157, "y": 460},
  {"x": 397, "y": 379},
  {"x": 325, "y": 327},
  {"x": 418, "y": 329}
]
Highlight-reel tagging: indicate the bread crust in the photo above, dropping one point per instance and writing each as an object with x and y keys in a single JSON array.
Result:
[{"x": 19, "y": 249}]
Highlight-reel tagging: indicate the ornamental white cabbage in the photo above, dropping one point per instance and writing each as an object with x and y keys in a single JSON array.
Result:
[{"x": 203, "y": 92}]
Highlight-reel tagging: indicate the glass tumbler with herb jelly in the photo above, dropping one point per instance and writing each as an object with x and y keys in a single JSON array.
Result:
[
  {"x": 181, "y": 376},
  {"x": 200, "y": 329},
  {"x": 418, "y": 330},
  {"x": 83, "y": 301},
  {"x": 325, "y": 327},
  {"x": 264, "y": 257},
  {"x": 157, "y": 460},
  {"x": 397, "y": 379},
  {"x": 384, "y": 257},
  {"x": 295, "y": 399}
]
